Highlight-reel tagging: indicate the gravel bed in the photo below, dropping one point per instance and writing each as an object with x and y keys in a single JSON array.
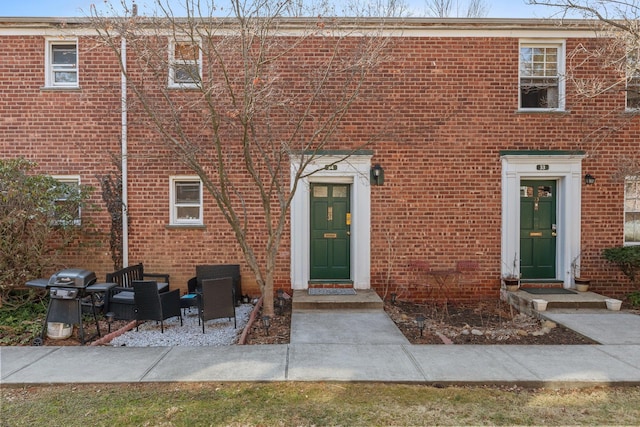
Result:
[{"x": 218, "y": 332}]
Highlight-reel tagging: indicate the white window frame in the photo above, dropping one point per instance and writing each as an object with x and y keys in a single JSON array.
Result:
[
  {"x": 560, "y": 72},
  {"x": 51, "y": 68},
  {"x": 632, "y": 80},
  {"x": 173, "y": 62},
  {"x": 72, "y": 180},
  {"x": 174, "y": 219},
  {"x": 636, "y": 201}
]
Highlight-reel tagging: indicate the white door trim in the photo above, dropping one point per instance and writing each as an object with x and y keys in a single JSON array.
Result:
[
  {"x": 355, "y": 171},
  {"x": 566, "y": 169}
]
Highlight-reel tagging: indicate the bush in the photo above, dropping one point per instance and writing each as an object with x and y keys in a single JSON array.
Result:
[
  {"x": 627, "y": 258},
  {"x": 39, "y": 217},
  {"x": 20, "y": 325},
  {"x": 634, "y": 298}
]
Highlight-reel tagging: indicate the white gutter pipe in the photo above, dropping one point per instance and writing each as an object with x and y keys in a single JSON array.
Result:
[{"x": 124, "y": 153}]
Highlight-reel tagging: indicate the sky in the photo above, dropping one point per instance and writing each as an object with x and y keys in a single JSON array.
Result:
[{"x": 70, "y": 8}]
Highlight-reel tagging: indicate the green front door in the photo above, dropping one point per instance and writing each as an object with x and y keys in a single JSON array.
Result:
[
  {"x": 538, "y": 229},
  {"x": 330, "y": 236}
]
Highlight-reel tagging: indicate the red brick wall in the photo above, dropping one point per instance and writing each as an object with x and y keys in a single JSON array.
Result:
[
  {"x": 444, "y": 108},
  {"x": 67, "y": 132}
]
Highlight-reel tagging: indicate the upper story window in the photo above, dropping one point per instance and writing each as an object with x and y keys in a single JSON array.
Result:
[
  {"x": 185, "y": 63},
  {"x": 67, "y": 207},
  {"x": 633, "y": 83},
  {"x": 61, "y": 58},
  {"x": 541, "y": 68},
  {"x": 632, "y": 210},
  {"x": 186, "y": 200}
]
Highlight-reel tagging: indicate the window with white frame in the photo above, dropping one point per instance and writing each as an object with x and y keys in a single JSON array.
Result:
[
  {"x": 632, "y": 210},
  {"x": 541, "y": 68},
  {"x": 185, "y": 63},
  {"x": 186, "y": 200},
  {"x": 61, "y": 58},
  {"x": 67, "y": 207}
]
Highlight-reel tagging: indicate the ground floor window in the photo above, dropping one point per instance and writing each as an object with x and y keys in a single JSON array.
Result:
[
  {"x": 186, "y": 200},
  {"x": 632, "y": 210},
  {"x": 67, "y": 206}
]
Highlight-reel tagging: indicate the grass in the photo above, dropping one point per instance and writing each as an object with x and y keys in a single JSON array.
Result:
[{"x": 302, "y": 404}]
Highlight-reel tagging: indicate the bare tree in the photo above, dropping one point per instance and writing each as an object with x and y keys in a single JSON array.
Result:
[
  {"x": 616, "y": 21},
  {"x": 255, "y": 103},
  {"x": 477, "y": 9},
  {"x": 616, "y": 52},
  {"x": 456, "y": 8},
  {"x": 377, "y": 8}
]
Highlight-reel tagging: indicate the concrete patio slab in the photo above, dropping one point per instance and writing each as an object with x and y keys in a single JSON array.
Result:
[
  {"x": 629, "y": 354},
  {"x": 605, "y": 327},
  {"x": 85, "y": 364},
  {"x": 457, "y": 364},
  {"x": 566, "y": 364},
  {"x": 224, "y": 363},
  {"x": 344, "y": 327},
  {"x": 13, "y": 359},
  {"x": 335, "y": 362}
]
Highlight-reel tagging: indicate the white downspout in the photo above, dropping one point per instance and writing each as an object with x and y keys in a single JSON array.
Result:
[{"x": 124, "y": 153}]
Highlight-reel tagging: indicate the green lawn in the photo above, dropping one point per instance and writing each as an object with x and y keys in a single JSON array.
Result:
[{"x": 305, "y": 404}]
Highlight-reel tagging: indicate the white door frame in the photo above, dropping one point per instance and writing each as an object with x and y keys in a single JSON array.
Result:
[
  {"x": 566, "y": 169},
  {"x": 353, "y": 170}
]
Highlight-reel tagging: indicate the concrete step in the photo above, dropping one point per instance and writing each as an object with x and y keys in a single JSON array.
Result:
[
  {"x": 363, "y": 299},
  {"x": 523, "y": 301}
]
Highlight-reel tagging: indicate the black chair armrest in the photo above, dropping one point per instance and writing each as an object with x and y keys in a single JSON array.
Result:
[
  {"x": 171, "y": 300},
  {"x": 163, "y": 276},
  {"x": 117, "y": 289}
]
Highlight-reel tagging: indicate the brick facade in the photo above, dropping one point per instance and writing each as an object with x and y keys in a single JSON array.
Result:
[{"x": 446, "y": 102}]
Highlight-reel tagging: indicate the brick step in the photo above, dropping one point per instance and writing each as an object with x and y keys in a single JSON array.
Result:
[
  {"x": 541, "y": 284},
  {"x": 364, "y": 299},
  {"x": 330, "y": 285}
]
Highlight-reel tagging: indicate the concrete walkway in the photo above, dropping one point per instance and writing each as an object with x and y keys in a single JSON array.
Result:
[{"x": 349, "y": 345}]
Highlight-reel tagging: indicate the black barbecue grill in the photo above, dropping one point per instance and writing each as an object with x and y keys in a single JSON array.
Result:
[{"x": 67, "y": 288}]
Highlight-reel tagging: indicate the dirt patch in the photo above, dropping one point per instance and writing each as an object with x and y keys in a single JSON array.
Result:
[
  {"x": 279, "y": 328},
  {"x": 482, "y": 323},
  {"x": 90, "y": 333}
]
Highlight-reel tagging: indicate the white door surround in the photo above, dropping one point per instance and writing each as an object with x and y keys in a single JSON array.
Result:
[
  {"x": 350, "y": 169},
  {"x": 562, "y": 166}
]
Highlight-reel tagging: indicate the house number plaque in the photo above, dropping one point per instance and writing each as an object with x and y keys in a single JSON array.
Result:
[{"x": 542, "y": 167}]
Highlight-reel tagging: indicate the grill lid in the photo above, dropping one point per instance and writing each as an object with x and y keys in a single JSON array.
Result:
[{"x": 73, "y": 278}]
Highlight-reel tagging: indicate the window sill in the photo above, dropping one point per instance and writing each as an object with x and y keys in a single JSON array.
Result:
[
  {"x": 186, "y": 227},
  {"x": 183, "y": 87},
  {"x": 542, "y": 111},
  {"x": 60, "y": 89}
]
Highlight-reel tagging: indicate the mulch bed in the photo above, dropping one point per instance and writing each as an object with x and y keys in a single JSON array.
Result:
[
  {"x": 278, "y": 331},
  {"x": 483, "y": 323}
]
